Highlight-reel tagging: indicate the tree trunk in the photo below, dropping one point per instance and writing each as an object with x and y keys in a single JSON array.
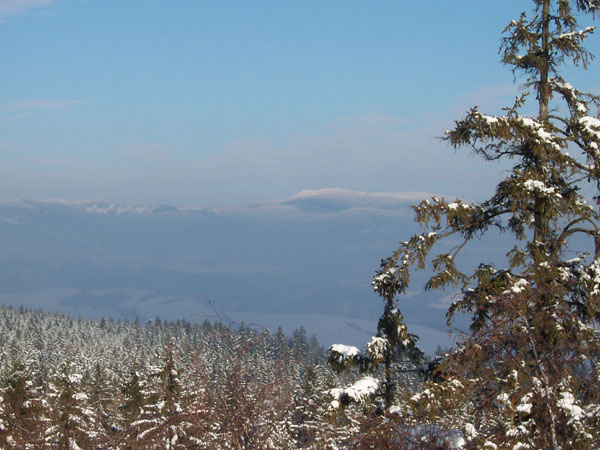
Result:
[
  {"x": 541, "y": 221},
  {"x": 544, "y": 86}
]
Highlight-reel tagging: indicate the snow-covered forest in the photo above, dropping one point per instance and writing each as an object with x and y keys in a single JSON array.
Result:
[
  {"x": 73, "y": 383},
  {"x": 525, "y": 375}
]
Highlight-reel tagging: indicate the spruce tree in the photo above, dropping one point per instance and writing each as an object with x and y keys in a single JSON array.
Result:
[
  {"x": 393, "y": 351},
  {"x": 528, "y": 369}
]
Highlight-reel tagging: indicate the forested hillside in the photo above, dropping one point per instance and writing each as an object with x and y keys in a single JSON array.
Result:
[{"x": 73, "y": 383}]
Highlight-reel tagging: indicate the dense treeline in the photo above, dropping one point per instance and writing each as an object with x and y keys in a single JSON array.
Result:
[{"x": 74, "y": 383}]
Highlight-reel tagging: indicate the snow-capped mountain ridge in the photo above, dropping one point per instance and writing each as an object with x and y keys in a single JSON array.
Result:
[
  {"x": 361, "y": 196},
  {"x": 338, "y": 200},
  {"x": 310, "y": 200},
  {"x": 87, "y": 206}
]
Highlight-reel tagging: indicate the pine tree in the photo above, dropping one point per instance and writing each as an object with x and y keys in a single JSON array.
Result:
[
  {"x": 529, "y": 367},
  {"x": 393, "y": 349}
]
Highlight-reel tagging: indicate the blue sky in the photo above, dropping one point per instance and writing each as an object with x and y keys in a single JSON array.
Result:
[{"x": 217, "y": 102}]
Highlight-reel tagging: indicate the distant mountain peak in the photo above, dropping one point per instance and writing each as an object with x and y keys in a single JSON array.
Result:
[
  {"x": 331, "y": 200},
  {"x": 351, "y": 195}
]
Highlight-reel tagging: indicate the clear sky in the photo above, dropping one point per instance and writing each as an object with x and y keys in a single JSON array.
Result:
[{"x": 215, "y": 102}]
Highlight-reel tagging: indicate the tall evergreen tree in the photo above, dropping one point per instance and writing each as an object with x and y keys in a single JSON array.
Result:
[
  {"x": 529, "y": 366},
  {"x": 392, "y": 350}
]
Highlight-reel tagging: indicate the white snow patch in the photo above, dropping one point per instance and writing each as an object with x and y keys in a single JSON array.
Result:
[
  {"x": 540, "y": 187},
  {"x": 347, "y": 351},
  {"x": 567, "y": 403},
  {"x": 359, "y": 391},
  {"x": 80, "y": 397},
  {"x": 75, "y": 378},
  {"x": 539, "y": 132}
]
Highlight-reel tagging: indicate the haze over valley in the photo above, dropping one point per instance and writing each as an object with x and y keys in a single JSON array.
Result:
[{"x": 303, "y": 261}]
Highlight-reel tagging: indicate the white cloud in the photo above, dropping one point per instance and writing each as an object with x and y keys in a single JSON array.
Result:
[
  {"x": 38, "y": 103},
  {"x": 15, "y": 7}
]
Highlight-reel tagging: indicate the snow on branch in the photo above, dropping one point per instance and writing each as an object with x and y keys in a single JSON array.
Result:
[
  {"x": 575, "y": 36},
  {"x": 342, "y": 357},
  {"x": 518, "y": 286},
  {"x": 344, "y": 352},
  {"x": 358, "y": 392},
  {"x": 568, "y": 404},
  {"x": 378, "y": 347},
  {"x": 538, "y": 187},
  {"x": 576, "y": 271},
  {"x": 571, "y": 95},
  {"x": 538, "y": 132},
  {"x": 591, "y": 132}
]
